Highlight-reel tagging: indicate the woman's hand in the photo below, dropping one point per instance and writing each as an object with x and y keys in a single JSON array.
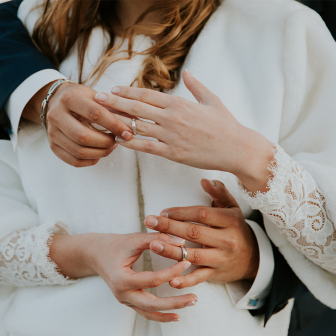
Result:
[
  {"x": 203, "y": 135},
  {"x": 111, "y": 256},
  {"x": 69, "y": 110},
  {"x": 230, "y": 249}
]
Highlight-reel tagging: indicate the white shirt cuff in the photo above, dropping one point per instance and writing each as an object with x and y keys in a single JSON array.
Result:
[
  {"x": 241, "y": 293},
  {"x": 19, "y": 99}
]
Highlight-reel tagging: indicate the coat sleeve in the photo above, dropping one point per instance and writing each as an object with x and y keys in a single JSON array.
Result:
[
  {"x": 24, "y": 243},
  {"x": 299, "y": 207},
  {"x": 19, "y": 57}
]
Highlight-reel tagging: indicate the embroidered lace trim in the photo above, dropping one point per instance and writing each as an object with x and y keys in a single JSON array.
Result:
[
  {"x": 296, "y": 205},
  {"x": 24, "y": 259}
]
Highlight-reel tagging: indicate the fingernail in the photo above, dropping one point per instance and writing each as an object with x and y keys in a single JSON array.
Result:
[
  {"x": 127, "y": 135},
  {"x": 101, "y": 97},
  {"x": 178, "y": 240},
  {"x": 157, "y": 247},
  {"x": 115, "y": 90},
  {"x": 189, "y": 73},
  {"x": 120, "y": 140},
  {"x": 175, "y": 320},
  {"x": 186, "y": 265},
  {"x": 151, "y": 222},
  {"x": 164, "y": 213},
  {"x": 175, "y": 283},
  {"x": 190, "y": 304},
  {"x": 196, "y": 299}
]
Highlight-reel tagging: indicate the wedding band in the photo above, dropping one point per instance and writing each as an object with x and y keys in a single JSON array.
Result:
[
  {"x": 134, "y": 126},
  {"x": 184, "y": 253}
]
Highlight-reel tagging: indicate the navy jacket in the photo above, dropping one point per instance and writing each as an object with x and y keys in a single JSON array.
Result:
[{"x": 19, "y": 59}]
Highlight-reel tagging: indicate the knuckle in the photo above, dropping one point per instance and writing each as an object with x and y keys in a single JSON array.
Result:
[
  {"x": 82, "y": 138},
  {"x": 195, "y": 258},
  {"x": 202, "y": 215},
  {"x": 94, "y": 113},
  {"x": 80, "y": 153},
  {"x": 136, "y": 107},
  {"x": 167, "y": 225},
  {"x": 51, "y": 115},
  {"x": 150, "y": 307},
  {"x": 65, "y": 97},
  {"x": 144, "y": 94},
  {"x": 233, "y": 245},
  {"x": 154, "y": 282},
  {"x": 53, "y": 146},
  {"x": 194, "y": 231},
  {"x": 77, "y": 163},
  {"x": 178, "y": 153},
  {"x": 148, "y": 146}
]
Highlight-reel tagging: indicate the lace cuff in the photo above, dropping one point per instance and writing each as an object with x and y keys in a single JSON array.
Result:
[
  {"x": 24, "y": 258},
  {"x": 296, "y": 205}
]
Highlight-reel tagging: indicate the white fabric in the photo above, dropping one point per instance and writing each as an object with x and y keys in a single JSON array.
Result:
[
  {"x": 296, "y": 204},
  {"x": 241, "y": 292},
  {"x": 273, "y": 63},
  {"x": 21, "y": 96},
  {"x": 24, "y": 257}
]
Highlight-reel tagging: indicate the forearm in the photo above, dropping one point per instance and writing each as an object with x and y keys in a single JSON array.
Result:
[{"x": 69, "y": 254}]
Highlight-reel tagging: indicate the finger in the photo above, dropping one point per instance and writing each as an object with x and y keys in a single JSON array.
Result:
[
  {"x": 146, "y": 146},
  {"x": 77, "y": 132},
  {"x": 132, "y": 107},
  {"x": 157, "y": 316},
  {"x": 201, "y": 93},
  {"x": 154, "y": 279},
  {"x": 217, "y": 217},
  {"x": 96, "y": 114},
  {"x": 143, "y": 127},
  {"x": 219, "y": 193},
  {"x": 78, "y": 151},
  {"x": 70, "y": 159},
  {"x": 147, "y": 96},
  {"x": 193, "y": 232},
  {"x": 197, "y": 256},
  {"x": 141, "y": 241},
  {"x": 194, "y": 278},
  {"x": 152, "y": 303}
]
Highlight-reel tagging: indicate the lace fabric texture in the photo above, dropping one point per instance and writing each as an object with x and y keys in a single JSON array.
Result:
[
  {"x": 24, "y": 259},
  {"x": 296, "y": 205}
]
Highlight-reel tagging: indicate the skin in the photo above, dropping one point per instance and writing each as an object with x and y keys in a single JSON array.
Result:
[
  {"x": 203, "y": 135},
  {"x": 233, "y": 256},
  {"x": 230, "y": 249}
]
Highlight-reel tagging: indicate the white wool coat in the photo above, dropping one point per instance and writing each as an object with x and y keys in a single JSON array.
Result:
[{"x": 273, "y": 64}]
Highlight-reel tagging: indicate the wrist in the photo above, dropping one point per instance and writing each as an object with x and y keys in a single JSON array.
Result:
[
  {"x": 32, "y": 109},
  {"x": 70, "y": 255},
  {"x": 254, "y": 169}
]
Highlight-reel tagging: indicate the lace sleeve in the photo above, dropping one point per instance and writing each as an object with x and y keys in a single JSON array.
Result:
[
  {"x": 24, "y": 259},
  {"x": 296, "y": 205}
]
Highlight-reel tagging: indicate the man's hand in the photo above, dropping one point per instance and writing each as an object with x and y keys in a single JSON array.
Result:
[
  {"x": 230, "y": 250},
  {"x": 70, "y": 111}
]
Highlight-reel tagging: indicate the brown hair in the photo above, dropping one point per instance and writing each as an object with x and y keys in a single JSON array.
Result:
[{"x": 64, "y": 22}]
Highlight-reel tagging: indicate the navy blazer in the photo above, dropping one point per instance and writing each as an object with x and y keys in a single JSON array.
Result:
[{"x": 19, "y": 59}]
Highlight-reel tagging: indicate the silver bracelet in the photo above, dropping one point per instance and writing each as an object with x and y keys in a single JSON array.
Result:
[{"x": 45, "y": 102}]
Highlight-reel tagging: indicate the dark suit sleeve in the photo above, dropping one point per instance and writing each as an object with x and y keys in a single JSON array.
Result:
[
  {"x": 19, "y": 57},
  {"x": 309, "y": 316}
]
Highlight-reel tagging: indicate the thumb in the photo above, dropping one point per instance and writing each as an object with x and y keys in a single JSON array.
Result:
[
  {"x": 220, "y": 195},
  {"x": 201, "y": 93}
]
